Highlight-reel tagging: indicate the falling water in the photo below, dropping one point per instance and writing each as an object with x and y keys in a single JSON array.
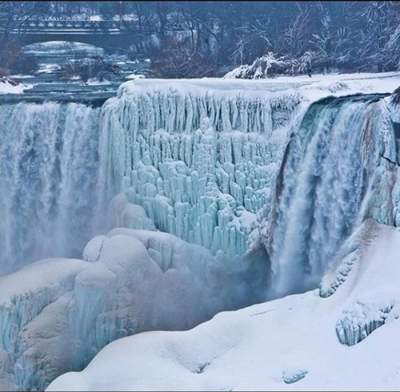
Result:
[
  {"x": 48, "y": 166},
  {"x": 324, "y": 179}
]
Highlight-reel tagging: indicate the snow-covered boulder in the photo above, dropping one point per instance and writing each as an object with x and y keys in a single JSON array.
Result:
[{"x": 55, "y": 315}]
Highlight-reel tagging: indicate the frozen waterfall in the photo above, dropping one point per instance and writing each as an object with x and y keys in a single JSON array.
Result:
[
  {"x": 211, "y": 165},
  {"x": 200, "y": 162}
]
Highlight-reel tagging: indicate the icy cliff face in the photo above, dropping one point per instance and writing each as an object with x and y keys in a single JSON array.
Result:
[
  {"x": 48, "y": 166},
  {"x": 201, "y": 162}
]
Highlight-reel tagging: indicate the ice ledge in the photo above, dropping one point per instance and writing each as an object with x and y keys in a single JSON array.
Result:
[{"x": 316, "y": 87}]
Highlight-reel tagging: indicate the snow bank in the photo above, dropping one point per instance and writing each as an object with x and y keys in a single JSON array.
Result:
[
  {"x": 316, "y": 87},
  {"x": 55, "y": 315},
  {"x": 8, "y": 88},
  {"x": 286, "y": 344}
]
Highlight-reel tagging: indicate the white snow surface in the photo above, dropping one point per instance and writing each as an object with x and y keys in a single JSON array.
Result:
[
  {"x": 8, "y": 88},
  {"x": 291, "y": 343},
  {"x": 316, "y": 87}
]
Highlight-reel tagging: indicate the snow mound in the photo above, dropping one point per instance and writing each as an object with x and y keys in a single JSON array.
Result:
[
  {"x": 240, "y": 350},
  {"x": 9, "y": 88},
  {"x": 56, "y": 314}
]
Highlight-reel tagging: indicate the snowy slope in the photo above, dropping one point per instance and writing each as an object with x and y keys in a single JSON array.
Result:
[
  {"x": 56, "y": 314},
  {"x": 290, "y": 343},
  {"x": 8, "y": 88}
]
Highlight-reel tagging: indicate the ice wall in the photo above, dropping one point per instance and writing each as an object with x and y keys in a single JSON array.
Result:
[
  {"x": 200, "y": 161},
  {"x": 48, "y": 166},
  {"x": 333, "y": 176}
]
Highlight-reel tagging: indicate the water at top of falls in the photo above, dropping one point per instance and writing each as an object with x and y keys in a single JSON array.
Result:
[
  {"x": 325, "y": 176},
  {"x": 48, "y": 166}
]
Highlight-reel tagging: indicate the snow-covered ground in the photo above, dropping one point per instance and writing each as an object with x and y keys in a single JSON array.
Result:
[
  {"x": 290, "y": 343},
  {"x": 318, "y": 86},
  {"x": 8, "y": 88}
]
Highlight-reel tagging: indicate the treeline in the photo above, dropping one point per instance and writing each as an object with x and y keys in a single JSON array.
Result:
[{"x": 210, "y": 38}]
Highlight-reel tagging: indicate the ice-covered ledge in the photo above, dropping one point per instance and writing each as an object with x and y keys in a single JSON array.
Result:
[{"x": 316, "y": 87}]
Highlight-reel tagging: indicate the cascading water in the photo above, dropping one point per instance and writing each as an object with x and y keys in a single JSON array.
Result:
[
  {"x": 200, "y": 165},
  {"x": 325, "y": 175},
  {"x": 48, "y": 166}
]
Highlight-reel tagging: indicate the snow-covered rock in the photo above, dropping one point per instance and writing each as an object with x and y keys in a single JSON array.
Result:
[
  {"x": 293, "y": 343},
  {"x": 55, "y": 315},
  {"x": 8, "y": 87}
]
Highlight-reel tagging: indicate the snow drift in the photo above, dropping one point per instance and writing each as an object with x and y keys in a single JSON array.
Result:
[
  {"x": 56, "y": 314},
  {"x": 302, "y": 341}
]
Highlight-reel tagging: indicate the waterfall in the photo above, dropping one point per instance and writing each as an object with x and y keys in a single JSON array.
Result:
[
  {"x": 201, "y": 165},
  {"x": 324, "y": 178},
  {"x": 48, "y": 172}
]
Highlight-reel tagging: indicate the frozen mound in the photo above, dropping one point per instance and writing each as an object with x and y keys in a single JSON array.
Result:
[
  {"x": 240, "y": 350},
  {"x": 56, "y": 314}
]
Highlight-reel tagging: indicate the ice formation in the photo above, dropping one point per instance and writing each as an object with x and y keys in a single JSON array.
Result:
[
  {"x": 56, "y": 314},
  {"x": 200, "y": 162}
]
